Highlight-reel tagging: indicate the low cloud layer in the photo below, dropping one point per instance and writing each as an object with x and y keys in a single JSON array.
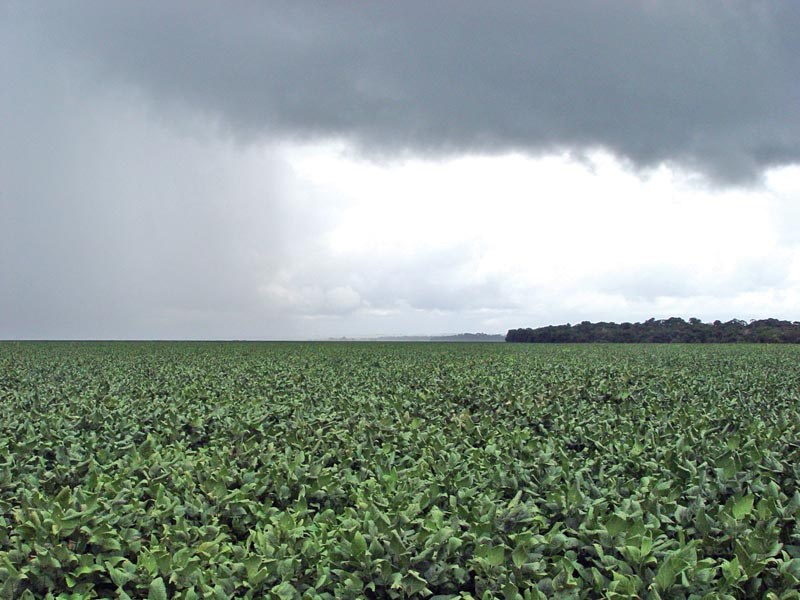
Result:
[{"x": 710, "y": 86}]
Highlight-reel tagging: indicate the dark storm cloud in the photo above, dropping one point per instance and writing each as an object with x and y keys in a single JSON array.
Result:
[{"x": 711, "y": 85}]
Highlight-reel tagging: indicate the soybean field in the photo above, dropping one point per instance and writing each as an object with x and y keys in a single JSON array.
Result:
[{"x": 367, "y": 470}]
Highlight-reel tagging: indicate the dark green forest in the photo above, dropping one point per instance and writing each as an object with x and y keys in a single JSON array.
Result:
[{"x": 675, "y": 329}]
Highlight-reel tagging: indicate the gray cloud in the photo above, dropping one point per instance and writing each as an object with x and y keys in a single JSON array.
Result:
[
  {"x": 648, "y": 284},
  {"x": 711, "y": 86},
  {"x": 428, "y": 280},
  {"x": 112, "y": 224}
]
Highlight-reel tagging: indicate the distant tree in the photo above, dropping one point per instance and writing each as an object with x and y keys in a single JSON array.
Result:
[{"x": 674, "y": 330}]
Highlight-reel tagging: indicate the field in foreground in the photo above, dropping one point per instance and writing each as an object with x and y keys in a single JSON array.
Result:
[{"x": 186, "y": 470}]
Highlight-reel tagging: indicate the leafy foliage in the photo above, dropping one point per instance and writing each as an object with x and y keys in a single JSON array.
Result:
[
  {"x": 675, "y": 329},
  {"x": 210, "y": 470}
]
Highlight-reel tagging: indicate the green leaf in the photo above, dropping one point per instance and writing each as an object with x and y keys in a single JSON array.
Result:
[
  {"x": 284, "y": 591},
  {"x": 85, "y": 570},
  {"x": 731, "y": 570},
  {"x": 674, "y": 564},
  {"x": 646, "y": 546},
  {"x": 615, "y": 525},
  {"x": 158, "y": 590},
  {"x": 519, "y": 555},
  {"x": 63, "y": 498},
  {"x": 146, "y": 447},
  {"x": 702, "y": 522},
  {"x": 742, "y": 507},
  {"x": 412, "y": 583},
  {"x": 666, "y": 574},
  {"x": 496, "y": 556},
  {"x": 359, "y": 544},
  {"x": 511, "y": 591}
]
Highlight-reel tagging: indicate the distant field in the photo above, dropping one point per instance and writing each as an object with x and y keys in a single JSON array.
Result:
[{"x": 289, "y": 470}]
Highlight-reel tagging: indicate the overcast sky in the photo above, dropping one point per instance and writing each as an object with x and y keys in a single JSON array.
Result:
[{"x": 295, "y": 170}]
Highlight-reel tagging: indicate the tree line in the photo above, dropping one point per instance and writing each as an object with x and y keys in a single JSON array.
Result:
[{"x": 674, "y": 329}]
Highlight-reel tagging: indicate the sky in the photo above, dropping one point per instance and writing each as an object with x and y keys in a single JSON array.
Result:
[{"x": 306, "y": 170}]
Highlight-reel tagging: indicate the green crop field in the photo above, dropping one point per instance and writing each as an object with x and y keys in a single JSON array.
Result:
[{"x": 282, "y": 470}]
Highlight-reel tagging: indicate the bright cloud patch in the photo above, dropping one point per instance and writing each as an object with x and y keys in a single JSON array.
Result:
[{"x": 544, "y": 240}]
